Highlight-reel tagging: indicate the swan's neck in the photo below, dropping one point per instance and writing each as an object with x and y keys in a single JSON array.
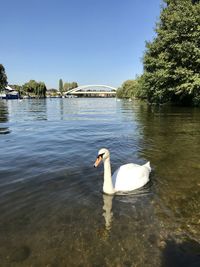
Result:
[{"x": 107, "y": 185}]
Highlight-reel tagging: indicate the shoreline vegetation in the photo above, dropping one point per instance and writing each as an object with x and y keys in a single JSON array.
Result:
[
  {"x": 34, "y": 89},
  {"x": 171, "y": 62}
]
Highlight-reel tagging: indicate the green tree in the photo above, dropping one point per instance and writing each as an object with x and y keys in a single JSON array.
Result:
[
  {"x": 41, "y": 90},
  {"x": 30, "y": 87},
  {"x": 132, "y": 89},
  {"x": 61, "y": 86},
  {"x": 172, "y": 59},
  {"x": 68, "y": 86},
  {"x": 3, "y": 78},
  {"x": 74, "y": 85},
  {"x": 36, "y": 89},
  {"x": 127, "y": 89}
]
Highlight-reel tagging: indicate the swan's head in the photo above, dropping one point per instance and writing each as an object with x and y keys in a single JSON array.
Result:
[{"x": 103, "y": 154}]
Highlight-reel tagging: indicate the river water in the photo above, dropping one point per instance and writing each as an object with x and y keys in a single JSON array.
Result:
[{"x": 52, "y": 210}]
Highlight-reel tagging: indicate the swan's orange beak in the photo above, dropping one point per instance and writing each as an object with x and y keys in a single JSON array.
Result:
[{"x": 98, "y": 160}]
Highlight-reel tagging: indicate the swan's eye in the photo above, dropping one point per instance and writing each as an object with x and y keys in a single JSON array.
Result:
[{"x": 100, "y": 155}]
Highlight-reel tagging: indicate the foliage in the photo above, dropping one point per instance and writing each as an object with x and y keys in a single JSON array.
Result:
[
  {"x": 52, "y": 92},
  {"x": 127, "y": 89},
  {"x": 3, "y": 78},
  {"x": 68, "y": 86},
  {"x": 172, "y": 59},
  {"x": 61, "y": 86},
  {"x": 132, "y": 89},
  {"x": 16, "y": 87},
  {"x": 37, "y": 89}
]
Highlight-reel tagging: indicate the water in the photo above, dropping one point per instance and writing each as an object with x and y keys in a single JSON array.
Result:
[{"x": 53, "y": 212}]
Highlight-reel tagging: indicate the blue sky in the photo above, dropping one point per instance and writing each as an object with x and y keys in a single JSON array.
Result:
[{"x": 88, "y": 41}]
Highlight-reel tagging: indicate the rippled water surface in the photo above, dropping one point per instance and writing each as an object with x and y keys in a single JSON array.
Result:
[{"x": 52, "y": 210}]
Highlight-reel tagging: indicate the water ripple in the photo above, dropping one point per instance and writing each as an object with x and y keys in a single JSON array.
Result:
[{"x": 51, "y": 197}]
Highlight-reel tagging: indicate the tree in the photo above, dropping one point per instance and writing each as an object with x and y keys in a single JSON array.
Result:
[
  {"x": 34, "y": 88},
  {"x": 61, "y": 86},
  {"x": 172, "y": 59},
  {"x": 127, "y": 90},
  {"x": 74, "y": 85},
  {"x": 132, "y": 89},
  {"x": 3, "y": 78},
  {"x": 41, "y": 90},
  {"x": 68, "y": 86}
]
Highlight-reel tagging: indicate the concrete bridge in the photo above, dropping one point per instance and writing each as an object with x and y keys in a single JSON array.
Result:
[{"x": 92, "y": 91}]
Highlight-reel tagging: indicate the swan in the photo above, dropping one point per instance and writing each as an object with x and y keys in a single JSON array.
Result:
[{"x": 126, "y": 178}]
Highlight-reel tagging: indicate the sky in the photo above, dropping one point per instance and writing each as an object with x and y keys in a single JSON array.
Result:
[{"x": 87, "y": 41}]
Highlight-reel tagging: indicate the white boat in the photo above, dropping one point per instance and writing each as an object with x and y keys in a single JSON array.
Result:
[{"x": 3, "y": 96}]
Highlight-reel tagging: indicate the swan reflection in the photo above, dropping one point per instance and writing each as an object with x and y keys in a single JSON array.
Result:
[
  {"x": 137, "y": 196},
  {"x": 107, "y": 210},
  {"x": 104, "y": 231}
]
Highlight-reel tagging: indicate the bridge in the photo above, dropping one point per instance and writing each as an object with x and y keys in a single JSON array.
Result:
[{"x": 92, "y": 91}]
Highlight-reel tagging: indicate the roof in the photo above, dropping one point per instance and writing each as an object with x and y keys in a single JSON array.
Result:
[{"x": 9, "y": 88}]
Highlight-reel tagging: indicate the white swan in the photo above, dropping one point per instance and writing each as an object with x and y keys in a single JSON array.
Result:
[{"x": 126, "y": 178}]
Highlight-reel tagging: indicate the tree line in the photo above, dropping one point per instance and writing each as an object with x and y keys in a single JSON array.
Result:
[
  {"x": 34, "y": 88},
  {"x": 172, "y": 60},
  {"x": 31, "y": 89},
  {"x": 66, "y": 86}
]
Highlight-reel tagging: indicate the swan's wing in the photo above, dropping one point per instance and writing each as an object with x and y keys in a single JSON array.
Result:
[{"x": 130, "y": 176}]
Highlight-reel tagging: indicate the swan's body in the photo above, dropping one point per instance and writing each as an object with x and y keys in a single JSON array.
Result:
[{"x": 126, "y": 178}]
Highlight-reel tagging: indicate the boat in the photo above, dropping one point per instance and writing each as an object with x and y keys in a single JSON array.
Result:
[
  {"x": 2, "y": 96},
  {"x": 9, "y": 96},
  {"x": 9, "y": 93}
]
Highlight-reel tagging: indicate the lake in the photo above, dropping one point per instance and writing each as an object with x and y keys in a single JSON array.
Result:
[{"x": 53, "y": 212}]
